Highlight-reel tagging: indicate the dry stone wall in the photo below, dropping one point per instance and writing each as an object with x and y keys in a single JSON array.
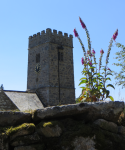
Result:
[{"x": 84, "y": 126}]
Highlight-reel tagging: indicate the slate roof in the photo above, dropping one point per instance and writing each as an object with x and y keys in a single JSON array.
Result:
[{"x": 23, "y": 100}]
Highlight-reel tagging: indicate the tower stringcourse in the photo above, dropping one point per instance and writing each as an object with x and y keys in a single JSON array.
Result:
[{"x": 50, "y": 67}]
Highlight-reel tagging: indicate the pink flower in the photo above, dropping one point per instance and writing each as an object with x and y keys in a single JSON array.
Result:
[
  {"x": 75, "y": 32},
  {"x": 91, "y": 55},
  {"x": 101, "y": 51},
  {"x": 88, "y": 59},
  {"x": 90, "y": 63},
  {"x": 82, "y": 60},
  {"x": 93, "y": 51},
  {"x": 115, "y": 34},
  {"x": 114, "y": 37},
  {"x": 82, "y": 23}
]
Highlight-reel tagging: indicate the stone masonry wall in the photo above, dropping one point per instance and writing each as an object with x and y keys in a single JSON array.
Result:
[
  {"x": 5, "y": 102},
  {"x": 50, "y": 37},
  {"x": 83, "y": 126},
  {"x": 46, "y": 44},
  {"x": 67, "y": 96},
  {"x": 43, "y": 76}
]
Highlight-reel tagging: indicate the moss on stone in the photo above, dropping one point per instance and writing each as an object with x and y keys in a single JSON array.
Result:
[
  {"x": 71, "y": 129},
  {"x": 49, "y": 124},
  {"x": 34, "y": 114},
  {"x": 12, "y": 130},
  {"x": 4, "y": 129}
]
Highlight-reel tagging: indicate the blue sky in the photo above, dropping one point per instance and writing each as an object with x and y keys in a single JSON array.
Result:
[{"x": 21, "y": 19}]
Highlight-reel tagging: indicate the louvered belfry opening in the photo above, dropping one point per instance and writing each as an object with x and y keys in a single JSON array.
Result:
[{"x": 60, "y": 56}]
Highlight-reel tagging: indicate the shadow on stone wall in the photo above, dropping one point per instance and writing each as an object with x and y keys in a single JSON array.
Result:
[{"x": 83, "y": 126}]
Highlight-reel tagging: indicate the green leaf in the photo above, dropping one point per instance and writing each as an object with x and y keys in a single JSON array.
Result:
[
  {"x": 99, "y": 87},
  {"x": 93, "y": 91},
  {"x": 107, "y": 93},
  {"x": 100, "y": 76},
  {"x": 82, "y": 82},
  {"x": 95, "y": 63},
  {"x": 112, "y": 99},
  {"x": 92, "y": 67},
  {"x": 82, "y": 78},
  {"x": 94, "y": 74},
  {"x": 107, "y": 79},
  {"x": 82, "y": 87},
  {"x": 100, "y": 79},
  {"x": 104, "y": 90},
  {"x": 94, "y": 79},
  {"x": 109, "y": 74},
  {"x": 84, "y": 72},
  {"x": 110, "y": 86}
]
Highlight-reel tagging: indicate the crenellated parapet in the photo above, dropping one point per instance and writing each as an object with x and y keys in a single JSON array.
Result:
[{"x": 51, "y": 37}]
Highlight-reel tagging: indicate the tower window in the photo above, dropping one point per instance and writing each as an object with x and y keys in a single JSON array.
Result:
[
  {"x": 36, "y": 79},
  {"x": 37, "y": 58},
  {"x": 60, "y": 56}
]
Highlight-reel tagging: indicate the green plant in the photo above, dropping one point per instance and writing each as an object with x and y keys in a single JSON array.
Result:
[
  {"x": 81, "y": 96},
  {"x": 1, "y": 88},
  {"x": 90, "y": 90},
  {"x": 121, "y": 56}
]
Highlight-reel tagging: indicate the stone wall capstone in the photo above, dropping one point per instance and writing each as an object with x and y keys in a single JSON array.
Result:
[{"x": 83, "y": 126}]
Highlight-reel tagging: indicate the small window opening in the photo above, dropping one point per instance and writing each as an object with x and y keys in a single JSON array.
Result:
[
  {"x": 60, "y": 56},
  {"x": 37, "y": 58}
]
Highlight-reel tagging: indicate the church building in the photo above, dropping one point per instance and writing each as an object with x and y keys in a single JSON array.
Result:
[{"x": 50, "y": 75}]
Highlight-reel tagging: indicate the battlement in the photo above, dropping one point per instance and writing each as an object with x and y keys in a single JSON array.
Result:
[{"x": 52, "y": 37}]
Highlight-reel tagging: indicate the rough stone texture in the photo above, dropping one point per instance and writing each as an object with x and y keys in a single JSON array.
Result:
[
  {"x": 26, "y": 140},
  {"x": 88, "y": 111},
  {"x": 54, "y": 84},
  {"x": 121, "y": 130},
  {"x": 4, "y": 145},
  {"x": 25, "y": 130},
  {"x": 72, "y": 131},
  {"x": 31, "y": 147},
  {"x": 14, "y": 118},
  {"x": 24, "y": 101},
  {"x": 6, "y": 103},
  {"x": 49, "y": 130},
  {"x": 81, "y": 143},
  {"x": 110, "y": 126},
  {"x": 47, "y": 82}
]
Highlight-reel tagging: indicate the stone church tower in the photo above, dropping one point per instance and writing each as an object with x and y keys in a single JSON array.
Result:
[{"x": 50, "y": 67}]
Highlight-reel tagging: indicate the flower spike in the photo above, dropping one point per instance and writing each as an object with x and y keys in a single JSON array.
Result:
[
  {"x": 75, "y": 32},
  {"x": 115, "y": 34},
  {"x": 101, "y": 51},
  {"x": 82, "y": 23},
  {"x": 82, "y": 60}
]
